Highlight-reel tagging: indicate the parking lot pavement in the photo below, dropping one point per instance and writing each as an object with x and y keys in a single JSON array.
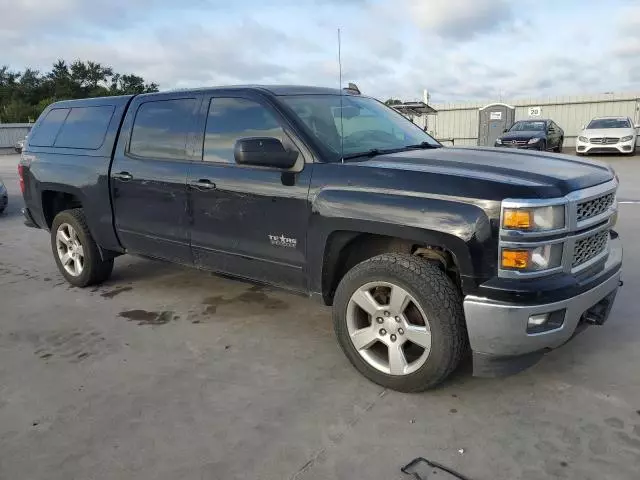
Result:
[{"x": 171, "y": 373}]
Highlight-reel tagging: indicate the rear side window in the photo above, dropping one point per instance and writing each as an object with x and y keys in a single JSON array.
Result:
[
  {"x": 46, "y": 132},
  {"x": 161, "y": 127},
  {"x": 233, "y": 118},
  {"x": 85, "y": 127}
]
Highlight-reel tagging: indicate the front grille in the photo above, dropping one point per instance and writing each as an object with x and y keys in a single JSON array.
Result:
[
  {"x": 589, "y": 248},
  {"x": 595, "y": 207},
  {"x": 515, "y": 142},
  {"x": 605, "y": 140}
]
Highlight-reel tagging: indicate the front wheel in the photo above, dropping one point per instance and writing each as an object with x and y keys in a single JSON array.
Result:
[
  {"x": 76, "y": 252},
  {"x": 399, "y": 320},
  {"x": 559, "y": 146}
]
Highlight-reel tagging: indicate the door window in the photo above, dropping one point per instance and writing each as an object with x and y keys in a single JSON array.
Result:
[
  {"x": 161, "y": 127},
  {"x": 230, "y": 119}
]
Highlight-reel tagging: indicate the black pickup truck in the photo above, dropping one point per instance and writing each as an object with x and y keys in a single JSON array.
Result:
[{"x": 425, "y": 252}]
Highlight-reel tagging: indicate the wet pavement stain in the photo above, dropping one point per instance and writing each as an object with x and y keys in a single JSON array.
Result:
[
  {"x": 143, "y": 317},
  {"x": 115, "y": 291},
  {"x": 251, "y": 302}
]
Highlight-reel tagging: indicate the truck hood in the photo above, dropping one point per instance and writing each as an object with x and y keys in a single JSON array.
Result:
[{"x": 546, "y": 174}]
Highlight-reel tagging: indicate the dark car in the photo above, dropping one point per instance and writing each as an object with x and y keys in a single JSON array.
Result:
[
  {"x": 424, "y": 252},
  {"x": 534, "y": 135},
  {"x": 4, "y": 198}
]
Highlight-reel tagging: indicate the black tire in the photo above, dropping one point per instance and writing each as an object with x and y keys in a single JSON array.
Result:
[
  {"x": 559, "y": 147},
  {"x": 439, "y": 299},
  {"x": 543, "y": 146},
  {"x": 95, "y": 269}
]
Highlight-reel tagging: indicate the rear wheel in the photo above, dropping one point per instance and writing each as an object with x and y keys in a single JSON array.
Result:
[
  {"x": 76, "y": 252},
  {"x": 399, "y": 320}
]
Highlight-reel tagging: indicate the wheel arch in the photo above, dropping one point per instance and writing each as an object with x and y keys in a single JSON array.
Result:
[{"x": 346, "y": 248}]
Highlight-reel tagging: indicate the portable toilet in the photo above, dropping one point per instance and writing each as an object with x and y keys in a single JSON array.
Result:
[{"x": 494, "y": 119}]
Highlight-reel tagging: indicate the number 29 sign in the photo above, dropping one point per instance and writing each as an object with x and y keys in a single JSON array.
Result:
[{"x": 535, "y": 111}]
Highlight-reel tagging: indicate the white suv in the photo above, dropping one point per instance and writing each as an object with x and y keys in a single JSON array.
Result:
[{"x": 606, "y": 135}]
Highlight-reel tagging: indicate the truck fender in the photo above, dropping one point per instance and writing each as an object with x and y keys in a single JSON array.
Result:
[{"x": 461, "y": 228}]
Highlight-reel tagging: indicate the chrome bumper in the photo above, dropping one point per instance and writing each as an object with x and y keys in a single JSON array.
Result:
[{"x": 500, "y": 329}]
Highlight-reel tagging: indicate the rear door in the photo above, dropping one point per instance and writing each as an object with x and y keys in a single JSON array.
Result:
[
  {"x": 149, "y": 173},
  {"x": 248, "y": 221}
]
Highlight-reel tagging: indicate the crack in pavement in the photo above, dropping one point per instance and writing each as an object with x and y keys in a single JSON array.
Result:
[{"x": 320, "y": 453}]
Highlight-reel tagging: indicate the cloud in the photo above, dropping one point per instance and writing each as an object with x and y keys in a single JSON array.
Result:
[
  {"x": 457, "y": 49},
  {"x": 460, "y": 19}
]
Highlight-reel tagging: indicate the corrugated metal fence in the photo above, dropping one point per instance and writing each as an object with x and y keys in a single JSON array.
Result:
[
  {"x": 458, "y": 122},
  {"x": 11, "y": 133}
]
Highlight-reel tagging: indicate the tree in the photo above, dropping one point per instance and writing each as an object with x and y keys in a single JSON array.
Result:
[
  {"x": 24, "y": 95},
  {"x": 393, "y": 101}
]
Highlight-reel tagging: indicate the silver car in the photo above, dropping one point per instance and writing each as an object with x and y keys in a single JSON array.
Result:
[
  {"x": 608, "y": 135},
  {"x": 19, "y": 146}
]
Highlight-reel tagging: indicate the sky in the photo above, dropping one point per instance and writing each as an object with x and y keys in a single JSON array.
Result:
[{"x": 458, "y": 50}]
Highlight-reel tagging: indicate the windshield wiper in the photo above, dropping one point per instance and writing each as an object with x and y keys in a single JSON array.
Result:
[
  {"x": 369, "y": 153},
  {"x": 377, "y": 151},
  {"x": 423, "y": 145}
]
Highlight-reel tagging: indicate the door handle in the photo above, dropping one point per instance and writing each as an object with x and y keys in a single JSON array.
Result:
[
  {"x": 202, "y": 184},
  {"x": 123, "y": 176}
]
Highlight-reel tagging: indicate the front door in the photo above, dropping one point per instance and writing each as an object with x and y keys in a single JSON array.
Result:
[
  {"x": 149, "y": 176},
  {"x": 248, "y": 221}
]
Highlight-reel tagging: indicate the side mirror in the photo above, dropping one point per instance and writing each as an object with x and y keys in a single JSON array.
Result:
[
  {"x": 637, "y": 126},
  {"x": 263, "y": 152},
  {"x": 505, "y": 130},
  {"x": 582, "y": 127}
]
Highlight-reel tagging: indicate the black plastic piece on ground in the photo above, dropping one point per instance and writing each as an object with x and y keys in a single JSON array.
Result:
[
  {"x": 485, "y": 365},
  {"x": 407, "y": 469}
]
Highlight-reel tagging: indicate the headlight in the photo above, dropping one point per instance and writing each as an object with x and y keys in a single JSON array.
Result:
[
  {"x": 534, "y": 140},
  {"x": 534, "y": 259},
  {"x": 627, "y": 138},
  {"x": 534, "y": 218},
  {"x": 498, "y": 141},
  {"x": 583, "y": 139}
]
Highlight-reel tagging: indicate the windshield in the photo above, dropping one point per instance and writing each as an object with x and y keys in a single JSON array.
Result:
[
  {"x": 365, "y": 124},
  {"x": 609, "y": 123},
  {"x": 528, "y": 126}
]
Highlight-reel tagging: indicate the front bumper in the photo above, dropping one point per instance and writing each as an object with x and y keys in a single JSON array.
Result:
[
  {"x": 498, "y": 330},
  {"x": 526, "y": 146},
  {"x": 620, "y": 147}
]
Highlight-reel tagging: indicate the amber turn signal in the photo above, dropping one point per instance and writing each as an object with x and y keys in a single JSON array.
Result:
[
  {"x": 517, "y": 218},
  {"x": 518, "y": 259}
]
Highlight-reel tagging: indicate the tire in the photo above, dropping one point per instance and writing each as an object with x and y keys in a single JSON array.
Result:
[
  {"x": 543, "y": 146},
  {"x": 432, "y": 293},
  {"x": 73, "y": 227},
  {"x": 559, "y": 147}
]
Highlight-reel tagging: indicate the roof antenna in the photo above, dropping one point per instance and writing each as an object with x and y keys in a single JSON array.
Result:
[{"x": 341, "y": 94}]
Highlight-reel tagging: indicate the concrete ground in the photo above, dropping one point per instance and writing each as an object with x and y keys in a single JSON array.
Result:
[{"x": 170, "y": 373}]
